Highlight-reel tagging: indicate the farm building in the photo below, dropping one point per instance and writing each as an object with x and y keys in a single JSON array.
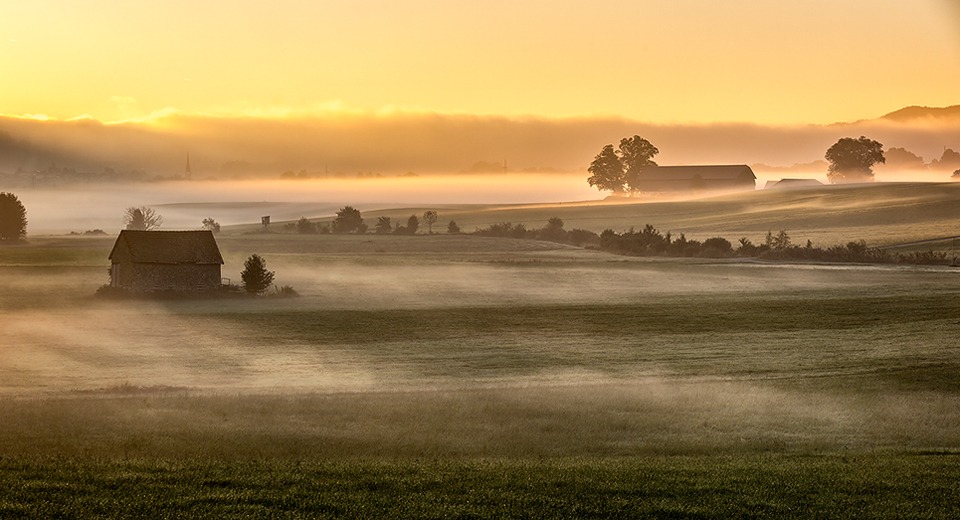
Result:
[
  {"x": 146, "y": 261},
  {"x": 792, "y": 183},
  {"x": 733, "y": 177}
]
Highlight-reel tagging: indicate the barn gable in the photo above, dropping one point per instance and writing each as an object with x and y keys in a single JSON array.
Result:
[
  {"x": 145, "y": 261},
  {"x": 693, "y": 178}
]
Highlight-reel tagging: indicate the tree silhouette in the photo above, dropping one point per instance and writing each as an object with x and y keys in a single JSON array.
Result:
[
  {"x": 430, "y": 217},
  {"x": 305, "y": 227},
  {"x": 212, "y": 225},
  {"x": 384, "y": 227},
  {"x": 452, "y": 227},
  {"x": 256, "y": 278},
  {"x": 636, "y": 154},
  {"x": 852, "y": 160},
  {"x": 13, "y": 218},
  {"x": 348, "y": 220},
  {"x": 412, "y": 224},
  {"x": 606, "y": 171},
  {"x": 553, "y": 230},
  {"x": 142, "y": 218}
]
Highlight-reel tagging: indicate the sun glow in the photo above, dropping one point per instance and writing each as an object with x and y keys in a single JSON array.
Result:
[{"x": 766, "y": 63}]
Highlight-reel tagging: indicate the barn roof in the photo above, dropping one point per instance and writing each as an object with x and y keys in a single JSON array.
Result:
[
  {"x": 168, "y": 247},
  {"x": 791, "y": 183},
  {"x": 706, "y": 172}
]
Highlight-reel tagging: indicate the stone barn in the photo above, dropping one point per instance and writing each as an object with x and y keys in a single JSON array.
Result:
[
  {"x": 146, "y": 261},
  {"x": 672, "y": 179}
]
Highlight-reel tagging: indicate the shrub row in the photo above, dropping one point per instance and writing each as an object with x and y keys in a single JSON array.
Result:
[
  {"x": 650, "y": 242},
  {"x": 552, "y": 232}
]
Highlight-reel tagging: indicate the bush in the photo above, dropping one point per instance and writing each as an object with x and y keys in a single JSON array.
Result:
[
  {"x": 305, "y": 227},
  {"x": 287, "y": 291},
  {"x": 582, "y": 237},
  {"x": 716, "y": 248}
]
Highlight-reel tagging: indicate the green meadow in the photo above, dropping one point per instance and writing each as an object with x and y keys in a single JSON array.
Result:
[{"x": 458, "y": 376}]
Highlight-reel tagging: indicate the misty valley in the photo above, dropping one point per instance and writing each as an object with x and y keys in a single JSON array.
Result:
[{"x": 414, "y": 370}]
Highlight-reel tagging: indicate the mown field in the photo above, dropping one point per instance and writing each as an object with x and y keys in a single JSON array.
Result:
[
  {"x": 879, "y": 213},
  {"x": 469, "y": 377}
]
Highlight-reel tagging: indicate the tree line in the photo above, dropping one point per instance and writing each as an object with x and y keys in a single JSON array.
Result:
[
  {"x": 777, "y": 246},
  {"x": 620, "y": 170},
  {"x": 349, "y": 221}
]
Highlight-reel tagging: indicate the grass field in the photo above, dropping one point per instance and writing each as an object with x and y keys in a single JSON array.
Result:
[{"x": 469, "y": 377}]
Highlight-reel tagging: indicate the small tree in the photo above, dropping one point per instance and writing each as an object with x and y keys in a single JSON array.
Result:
[
  {"x": 430, "y": 217},
  {"x": 384, "y": 227},
  {"x": 142, "y": 218},
  {"x": 13, "y": 219},
  {"x": 852, "y": 160},
  {"x": 956, "y": 175},
  {"x": 452, "y": 227},
  {"x": 412, "y": 224},
  {"x": 211, "y": 225},
  {"x": 348, "y": 220},
  {"x": 256, "y": 278},
  {"x": 553, "y": 230},
  {"x": 779, "y": 242}
]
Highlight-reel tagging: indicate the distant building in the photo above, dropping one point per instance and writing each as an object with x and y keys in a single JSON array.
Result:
[
  {"x": 671, "y": 179},
  {"x": 147, "y": 261},
  {"x": 791, "y": 183}
]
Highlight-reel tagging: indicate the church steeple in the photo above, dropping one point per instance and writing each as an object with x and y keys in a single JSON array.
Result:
[{"x": 187, "y": 173}]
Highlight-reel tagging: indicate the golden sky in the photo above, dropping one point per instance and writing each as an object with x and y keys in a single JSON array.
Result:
[{"x": 658, "y": 61}]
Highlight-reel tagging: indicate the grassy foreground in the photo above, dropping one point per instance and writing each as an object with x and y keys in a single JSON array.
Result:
[{"x": 918, "y": 485}]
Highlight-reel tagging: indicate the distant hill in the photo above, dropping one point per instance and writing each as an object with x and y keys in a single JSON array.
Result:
[{"x": 915, "y": 113}]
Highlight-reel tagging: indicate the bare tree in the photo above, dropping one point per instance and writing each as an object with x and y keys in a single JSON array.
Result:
[
  {"x": 142, "y": 218},
  {"x": 430, "y": 217}
]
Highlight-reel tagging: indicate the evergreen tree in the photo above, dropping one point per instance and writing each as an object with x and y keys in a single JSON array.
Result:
[
  {"x": 256, "y": 278},
  {"x": 13, "y": 218}
]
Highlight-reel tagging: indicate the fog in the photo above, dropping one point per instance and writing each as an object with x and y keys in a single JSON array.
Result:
[
  {"x": 402, "y": 357},
  {"x": 436, "y": 346},
  {"x": 399, "y": 142},
  {"x": 183, "y": 205}
]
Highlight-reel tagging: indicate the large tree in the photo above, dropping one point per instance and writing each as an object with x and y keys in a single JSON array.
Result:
[
  {"x": 636, "y": 154},
  {"x": 852, "y": 160},
  {"x": 142, "y": 218},
  {"x": 13, "y": 219},
  {"x": 606, "y": 171}
]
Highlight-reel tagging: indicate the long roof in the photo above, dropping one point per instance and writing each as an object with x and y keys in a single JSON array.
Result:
[
  {"x": 169, "y": 247},
  {"x": 790, "y": 183},
  {"x": 706, "y": 172}
]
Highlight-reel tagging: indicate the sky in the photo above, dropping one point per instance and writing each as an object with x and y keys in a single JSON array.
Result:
[{"x": 654, "y": 61}]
